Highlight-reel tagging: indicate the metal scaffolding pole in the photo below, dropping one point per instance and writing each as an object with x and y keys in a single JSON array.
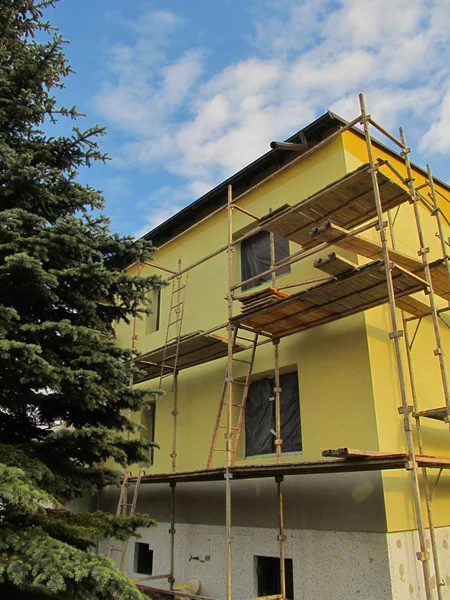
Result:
[
  {"x": 438, "y": 215},
  {"x": 173, "y": 454},
  {"x": 423, "y": 252},
  {"x": 172, "y": 532},
  {"x": 229, "y": 375},
  {"x": 179, "y": 311},
  {"x": 395, "y": 335},
  {"x": 278, "y": 441},
  {"x": 281, "y": 536},
  {"x": 428, "y": 494}
]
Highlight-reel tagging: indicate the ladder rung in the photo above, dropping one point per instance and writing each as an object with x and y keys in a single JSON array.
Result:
[
  {"x": 237, "y": 405},
  {"x": 238, "y": 382},
  {"x": 225, "y": 427},
  {"x": 173, "y": 322},
  {"x": 220, "y": 450},
  {"x": 166, "y": 374},
  {"x": 178, "y": 289},
  {"x": 248, "y": 362},
  {"x": 175, "y": 305}
]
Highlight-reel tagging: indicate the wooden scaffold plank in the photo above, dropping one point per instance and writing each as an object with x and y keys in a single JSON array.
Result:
[
  {"x": 330, "y": 232},
  {"x": 194, "y": 349},
  {"x": 355, "y": 291},
  {"x": 347, "y": 202}
]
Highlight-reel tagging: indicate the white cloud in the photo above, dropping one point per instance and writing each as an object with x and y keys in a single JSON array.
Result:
[
  {"x": 305, "y": 57},
  {"x": 437, "y": 138}
]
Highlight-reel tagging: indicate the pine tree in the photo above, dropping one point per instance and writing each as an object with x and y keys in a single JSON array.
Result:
[{"x": 64, "y": 384}]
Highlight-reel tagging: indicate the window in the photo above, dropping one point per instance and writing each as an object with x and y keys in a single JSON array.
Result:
[
  {"x": 143, "y": 559},
  {"x": 148, "y": 421},
  {"x": 152, "y": 320},
  {"x": 269, "y": 577},
  {"x": 255, "y": 257},
  {"x": 260, "y": 416}
]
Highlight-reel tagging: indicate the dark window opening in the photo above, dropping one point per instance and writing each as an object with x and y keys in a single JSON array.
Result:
[
  {"x": 255, "y": 257},
  {"x": 152, "y": 320},
  {"x": 148, "y": 434},
  {"x": 260, "y": 416},
  {"x": 269, "y": 576},
  {"x": 143, "y": 559}
]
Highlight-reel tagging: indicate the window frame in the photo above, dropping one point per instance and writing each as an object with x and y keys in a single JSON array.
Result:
[
  {"x": 282, "y": 250},
  {"x": 148, "y": 434},
  {"x": 138, "y": 558},
  {"x": 298, "y": 441},
  {"x": 155, "y": 316}
]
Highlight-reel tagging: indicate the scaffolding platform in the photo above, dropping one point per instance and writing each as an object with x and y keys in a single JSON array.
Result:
[
  {"x": 193, "y": 349},
  {"x": 413, "y": 306},
  {"x": 329, "y": 232},
  {"x": 438, "y": 414},
  {"x": 347, "y": 202},
  {"x": 331, "y": 465},
  {"x": 362, "y": 288}
]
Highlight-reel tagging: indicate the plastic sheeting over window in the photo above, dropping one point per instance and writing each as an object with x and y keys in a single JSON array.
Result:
[
  {"x": 260, "y": 416},
  {"x": 255, "y": 257}
]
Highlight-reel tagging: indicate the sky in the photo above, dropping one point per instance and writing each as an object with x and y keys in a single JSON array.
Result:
[{"x": 191, "y": 91}]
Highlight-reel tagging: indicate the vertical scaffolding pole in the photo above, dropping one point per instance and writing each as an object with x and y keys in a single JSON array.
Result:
[
  {"x": 175, "y": 381},
  {"x": 281, "y": 536},
  {"x": 172, "y": 532},
  {"x": 229, "y": 449},
  {"x": 423, "y": 252},
  {"x": 428, "y": 495},
  {"x": 395, "y": 335},
  {"x": 278, "y": 441},
  {"x": 277, "y": 394},
  {"x": 173, "y": 455},
  {"x": 437, "y": 214}
]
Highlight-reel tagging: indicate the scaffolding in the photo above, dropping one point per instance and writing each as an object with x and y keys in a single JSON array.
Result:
[{"x": 336, "y": 216}]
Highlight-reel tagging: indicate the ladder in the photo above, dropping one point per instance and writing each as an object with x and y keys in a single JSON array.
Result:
[
  {"x": 174, "y": 324},
  {"x": 240, "y": 402},
  {"x": 122, "y": 509}
]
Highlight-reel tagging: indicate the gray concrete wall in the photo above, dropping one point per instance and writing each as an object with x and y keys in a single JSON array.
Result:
[
  {"x": 335, "y": 502},
  {"x": 326, "y": 564}
]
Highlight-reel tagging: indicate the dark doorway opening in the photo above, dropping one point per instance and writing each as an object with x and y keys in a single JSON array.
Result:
[
  {"x": 143, "y": 559},
  {"x": 269, "y": 578}
]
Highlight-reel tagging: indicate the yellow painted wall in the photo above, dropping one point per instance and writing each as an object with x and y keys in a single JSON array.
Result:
[
  {"x": 332, "y": 361},
  {"x": 426, "y": 370},
  {"x": 347, "y": 377}
]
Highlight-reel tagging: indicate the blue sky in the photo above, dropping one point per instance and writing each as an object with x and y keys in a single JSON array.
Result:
[{"x": 193, "y": 90}]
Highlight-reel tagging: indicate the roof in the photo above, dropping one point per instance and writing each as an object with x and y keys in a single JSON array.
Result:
[{"x": 262, "y": 167}]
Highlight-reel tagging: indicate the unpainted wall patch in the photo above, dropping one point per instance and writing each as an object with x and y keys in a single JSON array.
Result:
[{"x": 362, "y": 491}]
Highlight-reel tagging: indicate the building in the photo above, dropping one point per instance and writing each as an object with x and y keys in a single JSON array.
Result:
[{"x": 338, "y": 460}]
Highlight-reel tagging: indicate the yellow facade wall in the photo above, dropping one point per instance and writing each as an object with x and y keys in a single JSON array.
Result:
[
  {"x": 426, "y": 372},
  {"x": 333, "y": 413},
  {"x": 349, "y": 394}
]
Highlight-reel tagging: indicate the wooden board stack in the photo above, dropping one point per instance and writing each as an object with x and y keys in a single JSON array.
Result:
[{"x": 261, "y": 299}]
